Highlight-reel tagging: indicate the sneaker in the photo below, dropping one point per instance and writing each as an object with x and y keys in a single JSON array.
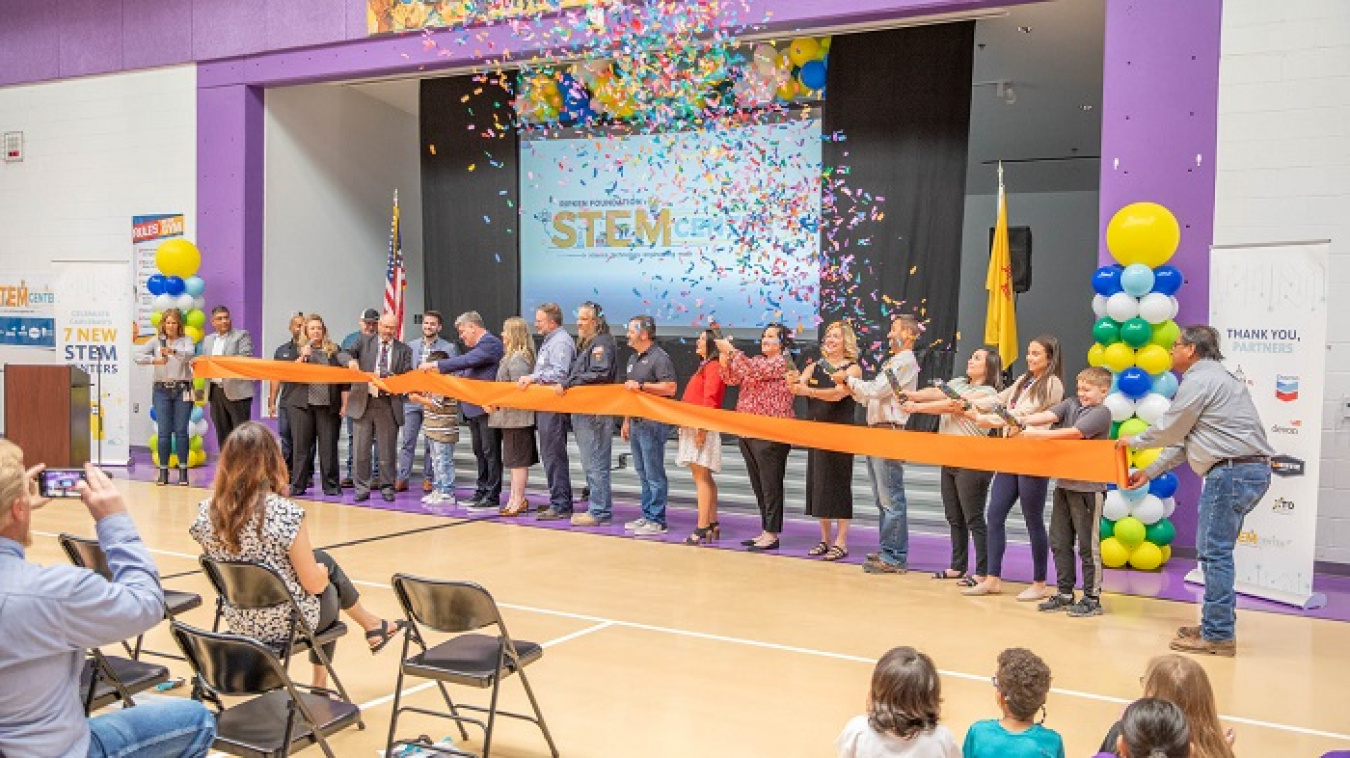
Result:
[
  {"x": 1031, "y": 594},
  {"x": 633, "y": 526},
  {"x": 870, "y": 557},
  {"x": 1088, "y": 606},
  {"x": 586, "y": 519},
  {"x": 1202, "y": 646},
  {"x": 1056, "y": 603},
  {"x": 549, "y": 514},
  {"x": 878, "y": 566},
  {"x": 483, "y": 506},
  {"x": 432, "y": 499},
  {"x": 650, "y": 529}
]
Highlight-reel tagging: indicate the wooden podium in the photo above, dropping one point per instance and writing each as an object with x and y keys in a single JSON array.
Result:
[{"x": 47, "y": 414}]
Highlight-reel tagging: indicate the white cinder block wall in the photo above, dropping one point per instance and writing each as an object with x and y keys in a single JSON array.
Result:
[
  {"x": 1284, "y": 175},
  {"x": 99, "y": 150}
]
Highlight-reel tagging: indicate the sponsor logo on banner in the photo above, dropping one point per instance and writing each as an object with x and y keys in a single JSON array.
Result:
[
  {"x": 1290, "y": 429},
  {"x": 1282, "y": 506},
  {"x": 1286, "y": 388},
  {"x": 1286, "y": 465}
]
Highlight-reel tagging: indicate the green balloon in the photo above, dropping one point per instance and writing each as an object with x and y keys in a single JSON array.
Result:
[
  {"x": 1131, "y": 427},
  {"x": 1108, "y": 527},
  {"x": 1136, "y": 332},
  {"x": 1130, "y": 531},
  {"x": 1106, "y": 331},
  {"x": 1115, "y": 433},
  {"x": 1165, "y": 334},
  {"x": 1161, "y": 532}
]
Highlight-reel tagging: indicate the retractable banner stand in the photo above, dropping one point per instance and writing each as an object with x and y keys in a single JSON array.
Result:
[
  {"x": 94, "y": 324},
  {"x": 1269, "y": 303}
]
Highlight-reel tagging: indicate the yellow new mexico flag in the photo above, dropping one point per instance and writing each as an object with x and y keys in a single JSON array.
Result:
[{"x": 1000, "y": 320}]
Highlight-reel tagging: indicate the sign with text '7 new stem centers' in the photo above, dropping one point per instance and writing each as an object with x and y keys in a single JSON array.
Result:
[
  {"x": 1269, "y": 303},
  {"x": 93, "y": 332}
]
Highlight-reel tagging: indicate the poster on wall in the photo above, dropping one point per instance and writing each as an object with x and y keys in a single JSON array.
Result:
[
  {"x": 1269, "y": 303},
  {"x": 94, "y": 314},
  {"x": 26, "y": 309},
  {"x": 147, "y": 234},
  {"x": 401, "y": 15}
]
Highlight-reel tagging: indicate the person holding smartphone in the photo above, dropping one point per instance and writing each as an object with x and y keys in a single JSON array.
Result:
[{"x": 171, "y": 352}]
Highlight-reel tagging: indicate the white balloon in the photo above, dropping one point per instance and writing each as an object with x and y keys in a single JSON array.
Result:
[
  {"x": 1155, "y": 307},
  {"x": 765, "y": 56},
  {"x": 1116, "y": 506},
  {"x": 197, "y": 428},
  {"x": 183, "y": 303},
  {"x": 200, "y": 304},
  {"x": 1149, "y": 510},
  {"x": 1099, "y": 305},
  {"x": 1121, "y": 407},
  {"x": 163, "y": 302},
  {"x": 1151, "y": 407},
  {"x": 1122, "y": 307},
  {"x": 1169, "y": 506},
  {"x": 1176, "y": 307}
]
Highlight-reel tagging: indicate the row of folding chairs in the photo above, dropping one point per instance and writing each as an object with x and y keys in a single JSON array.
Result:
[{"x": 283, "y": 716}]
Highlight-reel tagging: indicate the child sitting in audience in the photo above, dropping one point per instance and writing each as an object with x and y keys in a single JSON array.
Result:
[
  {"x": 902, "y": 713},
  {"x": 1020, "y": 688},
  {"x": 1180, "y": 680},
  {"x": 1153, "y": 728}
]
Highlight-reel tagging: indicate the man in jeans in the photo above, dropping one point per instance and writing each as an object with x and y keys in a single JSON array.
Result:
[
  {"x": 888, "y": 475},
  {"x": 1213, "y": 424},
  {"x": 551, "y": 367},
  {"x": 595, "y": 363},
  {"x": 650, "y": 370},
  {"x": 49, "y": 617}
]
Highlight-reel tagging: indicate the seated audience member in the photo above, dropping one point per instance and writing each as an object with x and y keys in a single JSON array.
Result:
[
  {"x": 1182, "y": 681},
  {"x": 246, "y": 519},
  {"x": 1020, "y": 688},
  {"x": 1153, "y": 728},
  {"x": 903, "y": 708},
  {"x": 53, "y": 614}
]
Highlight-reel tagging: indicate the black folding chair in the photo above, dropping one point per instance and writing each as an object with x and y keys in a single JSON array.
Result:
[
  {"x": 473, "y": 660},
  {"x": 280, "y": 718},
  {"x": 250, "y": 585}
]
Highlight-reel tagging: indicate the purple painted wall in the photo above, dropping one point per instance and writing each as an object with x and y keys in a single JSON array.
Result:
[{"x": 1160, "y": 94}]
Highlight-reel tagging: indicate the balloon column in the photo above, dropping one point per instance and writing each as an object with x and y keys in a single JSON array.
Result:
[
  {"x": 1135, "y": 307},
  {"x": 178, "y": 286}
]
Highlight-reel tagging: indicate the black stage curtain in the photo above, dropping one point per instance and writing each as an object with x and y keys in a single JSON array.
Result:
[
  {"x": 469, "y": 217},
  {"x": 901, "y": 101}
]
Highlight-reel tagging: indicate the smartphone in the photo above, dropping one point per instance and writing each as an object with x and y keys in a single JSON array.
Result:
[
  {"x": 895, "y": 386},
  {"x": 717, "y": 332},
  {"x": 59, "y": 482}
]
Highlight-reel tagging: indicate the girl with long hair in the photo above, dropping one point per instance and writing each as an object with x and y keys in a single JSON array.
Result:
[
  {"x": 701, "y": 449},
  {"x": 1181, "y": 680}
]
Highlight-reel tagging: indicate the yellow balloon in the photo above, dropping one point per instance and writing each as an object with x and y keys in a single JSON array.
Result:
[
  {"x": 1154, "y": 359},
  {"x": 1166, "y": 553},
  {"x": 787, "y": 90},
  {"x": 1142, "y": 458},
  {"x": 803, "y": 50},
  {"x": 825, "y": 43},
  {"x": 1096, "y": 355},
  {"x": 1146, "y": 557},
  {"x": 1118, "y": 356},
  {"x": 178, "y": 257},
  {"x": 1114, "y": 554},
  {"x": 156, "y": 317},
  {"x": 194, "y": 332},
  {"x": 1144, "y": 233}
]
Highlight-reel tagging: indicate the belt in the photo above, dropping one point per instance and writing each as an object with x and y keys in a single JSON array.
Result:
[
  {"x": 1243, "y": 459},
  {"x": 173, "y": 383},
  {"x": 887, "y": 425}
]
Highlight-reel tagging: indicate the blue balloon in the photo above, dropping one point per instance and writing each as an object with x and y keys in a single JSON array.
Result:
[
  {"x": 1135, "y": 495},
  {"x": 153, "y": 416},
  {"x": 1164, "y": 486},
  {"x": 813, "y": 74},
  {"x": 197, "y": 413},
  {"x": 1167, "y": 280},
  {"x": 194, "y": 286},
  {"x": 1134, "y": 383},
  {"x": 1106, "y": 280},
  {"x": 1137, "y": 279},
  {"x": 173, "y": 285},
  {"x": 1165, "y": 384},
  {"x": 155, "y": 284}
]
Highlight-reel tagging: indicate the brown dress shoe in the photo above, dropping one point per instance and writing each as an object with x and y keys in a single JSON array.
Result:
[
  {"x": 428, "y": 485},
  {"x": 401, "y": 485},
  {"x": 1189, "y": 632},
  {"x": 1202, "y": 646}
]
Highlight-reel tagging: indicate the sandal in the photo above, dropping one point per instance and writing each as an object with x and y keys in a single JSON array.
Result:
[
  {"x": 511, "y": 510},
  {"x": 835, "y": 553},
  {"x": 384, "y": 634},
  {"x": 943, "y": 574},
  {"x": 967, "y": 581},
  {"x": 820, "y": 549}
]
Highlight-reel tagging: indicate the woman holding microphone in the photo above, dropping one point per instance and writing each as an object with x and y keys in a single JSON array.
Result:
[{"x": 171, "y": 354}]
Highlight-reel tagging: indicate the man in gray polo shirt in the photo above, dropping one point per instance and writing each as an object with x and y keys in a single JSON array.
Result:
[{"x": 650, "y": 370}]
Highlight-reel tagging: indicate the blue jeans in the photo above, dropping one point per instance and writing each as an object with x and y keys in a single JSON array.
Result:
[
  {"x": 410, "y": 433},
  {"x": 595, "y": 438},
  {"x": 1006, "y": 491},
  {"x": 442, "y": 459},
  {"x": 888, "y": 486},
  {"x": 179, "y": 729},
  {"x": 1229, "y": 494},
  {"x": 648, "y": 442},
  {"x": 172, "y": 414}
]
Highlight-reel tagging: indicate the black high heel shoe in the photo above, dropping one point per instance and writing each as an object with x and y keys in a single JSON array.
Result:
[
  {"x": 763, "y": 548},
  {"x": 701, "y": 535},
  {"x": 716, "y": 529}
]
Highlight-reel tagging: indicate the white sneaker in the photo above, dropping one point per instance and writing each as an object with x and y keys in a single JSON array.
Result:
[
  {"x": 649, "y": 529},
  {"x": 633, "y": 526},
  {"x": 432, "y": 499}
]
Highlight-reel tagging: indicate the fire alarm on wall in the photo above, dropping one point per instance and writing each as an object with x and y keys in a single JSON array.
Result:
[{"x": 13, "y": 147}]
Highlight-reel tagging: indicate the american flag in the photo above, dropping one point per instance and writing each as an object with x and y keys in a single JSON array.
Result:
[{"x": 395, "y": 276}]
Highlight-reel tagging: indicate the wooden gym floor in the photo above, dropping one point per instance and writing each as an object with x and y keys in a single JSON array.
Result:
[{"x": 664, "y": 650}]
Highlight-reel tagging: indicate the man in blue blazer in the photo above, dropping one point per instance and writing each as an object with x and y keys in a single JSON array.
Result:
[{"x": 478, "y": 362}]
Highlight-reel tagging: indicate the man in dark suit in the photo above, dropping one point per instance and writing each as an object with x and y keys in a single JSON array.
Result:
[
  {"x": 374, "y": 412},
  {"x": 480, "y": 362},
  {"x": 230, "y": 400}
]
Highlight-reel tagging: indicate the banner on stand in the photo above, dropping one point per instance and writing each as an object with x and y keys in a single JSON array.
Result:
[
  {"x": 1269, "y": 303},
  {"x": 94, "y": 313}
]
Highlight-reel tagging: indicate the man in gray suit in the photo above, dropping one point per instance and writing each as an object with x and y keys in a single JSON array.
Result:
[
  {"x": 231, "y": 400},
  {"x": 374, "y": 412}
]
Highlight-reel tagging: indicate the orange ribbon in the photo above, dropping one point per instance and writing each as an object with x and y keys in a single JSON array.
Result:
[{"x": 1093, "y": 461}]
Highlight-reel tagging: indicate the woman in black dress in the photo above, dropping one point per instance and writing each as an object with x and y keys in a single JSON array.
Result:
[{"x": 829, "y": 475}]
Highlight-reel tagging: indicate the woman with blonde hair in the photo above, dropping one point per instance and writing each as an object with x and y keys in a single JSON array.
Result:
[
  {"x": 247, "y": 519},
  {"x": 316, "y": 411},
  {"x": 829, "y": 475},
  {"x": 519, "y": 450},
  {"x": 1182, "y": 681},
  {"x": 171, "y": 351}
]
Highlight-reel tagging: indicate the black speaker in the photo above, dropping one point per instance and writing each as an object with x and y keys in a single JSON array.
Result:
[{"x": 1019, "y": 251}]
